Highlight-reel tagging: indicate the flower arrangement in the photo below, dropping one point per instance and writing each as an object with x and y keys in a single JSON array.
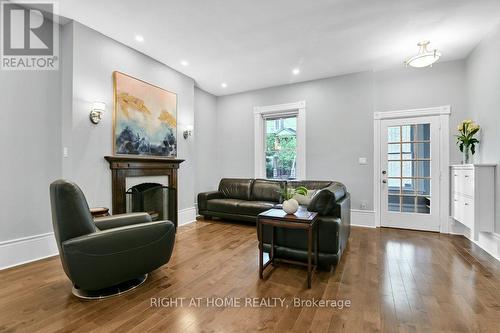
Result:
[{"x": 465, "y": 138}]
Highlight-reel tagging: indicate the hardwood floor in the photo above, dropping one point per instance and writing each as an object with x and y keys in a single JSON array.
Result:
[{"x": 396, "y": 281}]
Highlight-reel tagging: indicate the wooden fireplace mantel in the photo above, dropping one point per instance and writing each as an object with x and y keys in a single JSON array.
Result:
[{"x": 137, "y": 166}]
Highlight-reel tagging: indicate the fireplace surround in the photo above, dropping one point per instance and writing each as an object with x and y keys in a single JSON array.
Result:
[{"x": 123, "y": 167}]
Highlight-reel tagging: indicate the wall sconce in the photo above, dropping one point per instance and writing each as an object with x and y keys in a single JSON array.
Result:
[
  {"x": 96, "y": 112},
  {"x": 188, "y": 132}
]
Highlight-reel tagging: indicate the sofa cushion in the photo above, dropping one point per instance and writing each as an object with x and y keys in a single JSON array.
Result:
[
  {"x": 267, "y": 190},
  {"x": 254, "y": 207},
  {"x": 325, "y": 201},
  {"x": 309, "y": 184},
  {"x": 235, "y": 188},
  {"x": 224, "y": 205}
]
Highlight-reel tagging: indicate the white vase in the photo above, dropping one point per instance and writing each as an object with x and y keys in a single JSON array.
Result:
[{"x": 290, "y": 206}]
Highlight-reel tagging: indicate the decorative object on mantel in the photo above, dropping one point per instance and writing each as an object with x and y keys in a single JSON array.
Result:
[
  {"x": 466, "y": 140},
  {"x": 123, "y": 167},
  {"x": 145, "y": 118}
]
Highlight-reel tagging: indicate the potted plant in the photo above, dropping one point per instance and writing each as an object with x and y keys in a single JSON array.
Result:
[
  {"x": 466, "y": 140},
  {"x": 290, "y": 205}
]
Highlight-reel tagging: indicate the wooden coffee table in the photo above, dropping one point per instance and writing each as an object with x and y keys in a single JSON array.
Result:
[{"x": 302, "y": 219}]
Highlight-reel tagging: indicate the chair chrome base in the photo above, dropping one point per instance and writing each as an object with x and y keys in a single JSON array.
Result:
[{"x": 117, "y": 290}]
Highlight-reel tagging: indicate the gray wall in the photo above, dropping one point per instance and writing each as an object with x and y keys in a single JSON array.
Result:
[
  {"x": 408, "y": 88},
  {"x": 205, "y": 138},
  {"x": 483, "y": 92},
  {"x": 95, "y": 57},
  {"x": 30, "y": 132},
  {"x": 339, "y": 129},
  {"x": 339, "y": 117}
]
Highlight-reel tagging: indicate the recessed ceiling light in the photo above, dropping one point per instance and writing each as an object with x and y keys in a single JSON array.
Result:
[
  {"x": 184, "y": 63},
  {"x": 223, "y": 85},
  {"x": 139, "y": 38},
  {"x": 296, "y": 71}
]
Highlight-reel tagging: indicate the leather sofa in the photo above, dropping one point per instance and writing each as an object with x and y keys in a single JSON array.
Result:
[
  {"x": 244, "y": 199},
  {"x": 108, "y": 255}
]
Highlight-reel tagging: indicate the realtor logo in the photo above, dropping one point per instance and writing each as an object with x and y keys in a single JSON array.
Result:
[{"x": 29, "y": 36}]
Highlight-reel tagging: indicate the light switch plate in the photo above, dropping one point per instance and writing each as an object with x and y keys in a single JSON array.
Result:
[
  {"x": 65, "y": 152},
  {"x": 363, "y": 160}
]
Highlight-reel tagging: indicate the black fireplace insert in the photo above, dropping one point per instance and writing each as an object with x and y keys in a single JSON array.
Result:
[{"x": 152, "y": 198}]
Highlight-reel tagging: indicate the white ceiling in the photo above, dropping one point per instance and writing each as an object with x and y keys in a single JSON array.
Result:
[{"x": 253, "y": 44}]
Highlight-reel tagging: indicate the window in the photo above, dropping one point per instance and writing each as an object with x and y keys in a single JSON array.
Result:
[
  {"x": 281, "y": 147},
  {"x": 408, "y": 168},
  {"x": 280, "y": 133}
]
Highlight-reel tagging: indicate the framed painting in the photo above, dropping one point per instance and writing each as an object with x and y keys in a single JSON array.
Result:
[{"x": 144, "y": 118}]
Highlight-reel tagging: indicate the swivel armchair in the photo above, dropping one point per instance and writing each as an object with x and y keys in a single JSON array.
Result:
[{"x": 109, "y": 255}]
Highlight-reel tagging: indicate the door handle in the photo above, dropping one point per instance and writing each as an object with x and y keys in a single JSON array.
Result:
[
  {"x": 384, "y": 181},
  {"x": 384, "y": 172}
]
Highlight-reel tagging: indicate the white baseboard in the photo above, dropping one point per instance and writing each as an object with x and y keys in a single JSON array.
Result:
[
  {"x": 27, "y": 249},
  {"x": 20, "y": 251},
  {"x": 363, "y": 218},
  {"x": 187, "y": 215}
]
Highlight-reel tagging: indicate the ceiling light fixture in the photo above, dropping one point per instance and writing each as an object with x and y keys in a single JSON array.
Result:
[
  {"x": 223, "y": 85},
  {"x": 424, "y": 58},
  {"x": 139, "y": 38},
  {"x": 184, "y": 63},
  {"x": 296, "y": 71}
]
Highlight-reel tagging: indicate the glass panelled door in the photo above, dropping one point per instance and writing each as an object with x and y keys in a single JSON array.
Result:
[{"x": 410, "y": 173}]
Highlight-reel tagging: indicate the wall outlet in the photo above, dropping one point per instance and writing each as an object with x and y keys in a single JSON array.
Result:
[
  {"x": 364, "y": 205},
  {"x": 363, "y": 160}
]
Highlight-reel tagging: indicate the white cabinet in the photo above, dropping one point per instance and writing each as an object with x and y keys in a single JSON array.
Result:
[{"x": 473, "y": 196}]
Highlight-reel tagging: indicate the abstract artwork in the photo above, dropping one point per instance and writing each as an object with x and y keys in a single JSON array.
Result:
[{"x": 145, "y": 118}]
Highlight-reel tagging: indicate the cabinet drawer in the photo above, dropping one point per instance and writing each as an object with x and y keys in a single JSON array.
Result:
[
  {"x": 457, "y": 211},
  {"x": 468, "y": 212},
  {"x": 463, "y": 182}
]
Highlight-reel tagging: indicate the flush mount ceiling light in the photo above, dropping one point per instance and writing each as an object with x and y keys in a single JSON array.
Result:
[
  {"x": 139, "y": 38},
  {"x": 424, "y": 58},
  {"x": 184, "y": 63},
  {"x": 296, "y": 71},
  {"x": 223, "y": 85}
]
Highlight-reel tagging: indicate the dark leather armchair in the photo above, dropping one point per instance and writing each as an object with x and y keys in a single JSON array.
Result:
[{"x": 108, "y": 255}]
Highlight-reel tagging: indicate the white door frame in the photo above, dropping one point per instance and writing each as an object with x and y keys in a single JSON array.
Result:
[
  {"x": 296, "y": 108},
  {"x": 444, "y": 145}
]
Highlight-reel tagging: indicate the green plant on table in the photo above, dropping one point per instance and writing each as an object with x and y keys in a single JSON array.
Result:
[{"x": 288, "y": 193}]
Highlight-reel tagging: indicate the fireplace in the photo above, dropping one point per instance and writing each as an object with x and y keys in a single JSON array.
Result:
[
  {"x": 123, "y": 167},
  {"x": 152, "y": 198}
]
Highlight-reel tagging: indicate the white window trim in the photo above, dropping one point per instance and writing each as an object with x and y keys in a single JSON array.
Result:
[
  {"x": 261, "y": 112},
  {"x": 444, "y": 113}
]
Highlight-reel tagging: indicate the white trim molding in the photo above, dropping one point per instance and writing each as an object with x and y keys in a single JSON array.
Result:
[
  {"x": 27, "y": 249},
  {"x": 437, "y": 111},
  {"x": 261, "y": 112},
  {"x": 443, "y": 112},
  {"x": 23, "y": 250},
  {"x": 187, "y": 215},
  {"x": 363, "y": 218}
]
